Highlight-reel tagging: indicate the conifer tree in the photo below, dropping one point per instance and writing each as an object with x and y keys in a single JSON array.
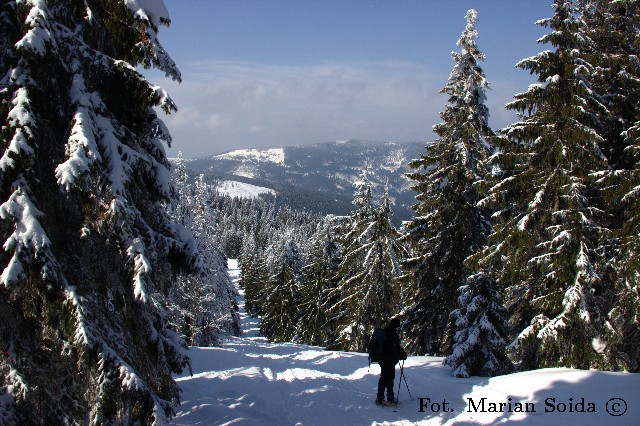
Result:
[
  {"x": 613, "y": 27},
  {"x": 479, "y": 347},
  {"x": 181, "y": 206},
  {"x": 318, "y": 279},
  {"x": 282, "y": 291},
  {"x": 88, "y": 247},
  {"x": 219, "y": 309},
  {"x": 612, "y": 30},
  {"x": 367, "y": 294},
  {"x": 253, "y": 276},
  {"x": 624, "y": 305},
  {"x": 545, "y": 243},
  {"x": 202, "y": 306},
  {"x": 448, "y": 227},
  {"x": 341, "y": 306}
]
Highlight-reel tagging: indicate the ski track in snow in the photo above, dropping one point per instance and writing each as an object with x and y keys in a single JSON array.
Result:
[{"x": 250, "y": 381}]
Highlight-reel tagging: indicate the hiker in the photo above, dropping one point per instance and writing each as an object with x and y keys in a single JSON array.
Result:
[{"x": 391, "y": 353}]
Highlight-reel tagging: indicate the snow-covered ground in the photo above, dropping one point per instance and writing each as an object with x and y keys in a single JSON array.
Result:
[
  {"x": 249, "y": 381},
  {"x": 242, "y": 190},
  {"x": 271, "y": 155}
]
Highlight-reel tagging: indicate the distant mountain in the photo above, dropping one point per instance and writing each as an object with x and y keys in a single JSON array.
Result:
[{"x": 320, "y": 177}]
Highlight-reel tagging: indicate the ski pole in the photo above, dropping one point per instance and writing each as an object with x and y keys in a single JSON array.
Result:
[
  {"x": 400, "y": 381},
  {"x": 405, "y": 380}
]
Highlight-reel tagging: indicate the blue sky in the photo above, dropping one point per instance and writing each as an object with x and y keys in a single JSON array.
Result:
[{"x": 281, "y": 72}]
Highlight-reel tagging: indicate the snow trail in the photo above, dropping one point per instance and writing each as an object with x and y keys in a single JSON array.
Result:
[{"x": 250, "y": 381}]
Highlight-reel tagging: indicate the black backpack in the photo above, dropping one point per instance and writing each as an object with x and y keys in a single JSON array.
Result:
[{"x": 376, "y": 344}]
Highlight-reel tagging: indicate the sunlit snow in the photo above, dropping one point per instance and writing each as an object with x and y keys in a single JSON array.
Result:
[
  {"x": 272, "y": 155},
  {"x": 242, "y": 190},
  {"x": 250, "y": 381}
]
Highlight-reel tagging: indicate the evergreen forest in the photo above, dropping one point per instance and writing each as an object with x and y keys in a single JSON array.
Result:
[{"x": 522, "y": 252}]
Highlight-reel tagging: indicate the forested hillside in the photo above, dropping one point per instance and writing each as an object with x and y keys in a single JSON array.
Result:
[
  {"x": 522, "y": 250},
  {"x": 320, "y": 177}
]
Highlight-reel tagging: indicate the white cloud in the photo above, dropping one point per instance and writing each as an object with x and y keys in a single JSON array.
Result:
[
  {"x": 225, "y": 105},
  {"x": 216, "y": 121}
]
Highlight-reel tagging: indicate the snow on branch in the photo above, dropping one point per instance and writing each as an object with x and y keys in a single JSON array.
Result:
[
  {"x": 119, "y": 156},
  {"x": 142, "y": 267},
  {"x": 82, "y": 149},
  {"x": 28, "y": 240},
  {"x": 152, "y": 14},
  {"x": 81, "y": 336},
  {"x": 164, "y": 100},
  {"x": 17, "y": 387},
  {"x": 39, "y": 34},
  {"x": 20, "y": 113},
  {"x": 21, "y": 118},
  {"x": 19, "y": 144},
  {"x": 153, "y": 11},
  {"x": 113, "y": 368}
]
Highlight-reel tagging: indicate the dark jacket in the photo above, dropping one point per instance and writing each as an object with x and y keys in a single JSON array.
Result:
[{"x": 392, "y": 352}]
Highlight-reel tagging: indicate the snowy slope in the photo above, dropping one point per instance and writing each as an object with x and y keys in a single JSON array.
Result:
[
  {"x": 269, "y": 155},
  {"x": 242, "y": 190},
  {"x": 249, "y": 381}
]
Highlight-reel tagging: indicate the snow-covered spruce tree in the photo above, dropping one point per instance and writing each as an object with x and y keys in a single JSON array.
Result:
[
  {"x": 202, "y": 305},
  {"x": 88, "y": 246},
  {"x": 253, "y": 275},
  {"x": 338, "y": 305},
  {"x": 546, "y": 239},
  {"x": 282, "y": 295},
  {"x": 367, "y": 294},
  {"x": 220, "y": 312},
  {"x": 624, "y": 307},
  {"x": 448, "y": 227},
  {"x": 180, "y": 209},
  {"x": 614, "y": 29},
  {"x": 318, "y": 279},
  {"x": 479, "y": 347}
]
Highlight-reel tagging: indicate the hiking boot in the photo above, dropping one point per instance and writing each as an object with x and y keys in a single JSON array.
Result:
[{"x": 379, "y": 401}]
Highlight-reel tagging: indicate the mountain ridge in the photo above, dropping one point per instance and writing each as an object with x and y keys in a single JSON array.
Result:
[{"x": 322, "y": 172}]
